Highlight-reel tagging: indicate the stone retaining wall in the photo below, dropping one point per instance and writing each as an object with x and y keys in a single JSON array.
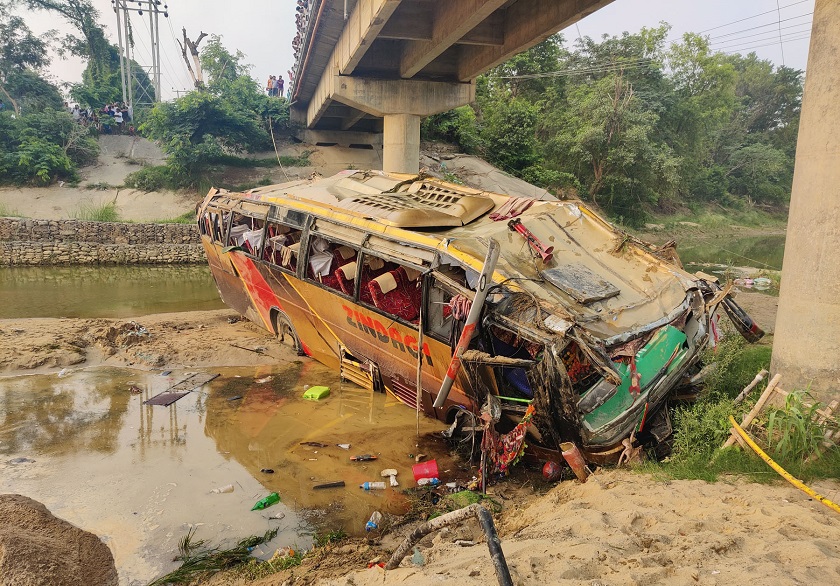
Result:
[{"x": 25, "y": 241}]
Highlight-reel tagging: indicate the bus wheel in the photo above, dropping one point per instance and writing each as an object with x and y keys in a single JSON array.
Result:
[{"x": 286, "y": 334}]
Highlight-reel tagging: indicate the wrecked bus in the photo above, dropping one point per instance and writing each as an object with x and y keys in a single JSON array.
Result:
[{"x": 455, "y": 299}]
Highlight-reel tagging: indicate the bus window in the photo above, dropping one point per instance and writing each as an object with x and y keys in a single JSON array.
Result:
[
  {"x": 215, "y": 221},
  {"x": 438, "y": 312},
  {"x": 247, "y": 233},
  {"x": 393, "y": 288},
  {"x": 324, "y": 261},
  {"x": 282, "y": 245}
]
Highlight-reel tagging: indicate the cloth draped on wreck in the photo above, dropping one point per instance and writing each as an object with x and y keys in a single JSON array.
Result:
[{"x": 503, "y": 451}]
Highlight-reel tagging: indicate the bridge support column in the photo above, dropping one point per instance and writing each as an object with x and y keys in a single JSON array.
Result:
[
  {"x": 401, "y": 143},
  {"x": 807, "y": 338},
  {"x": 402, "y": 103}
]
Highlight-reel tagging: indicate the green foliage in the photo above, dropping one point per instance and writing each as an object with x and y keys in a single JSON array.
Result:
[
  {"x": 36, "y": 161},
  {"x": 736, "y": 365},
  {"x": 508, "y": 132},
  {"x": 328, "y": 537},
  {"x": 201, "y": 562},
  {"x": 792, "y": 432},
  {"x": 457, "y": 126},
  {"x": 98, "y": 213},
  {"x": 153, "y": 178}
]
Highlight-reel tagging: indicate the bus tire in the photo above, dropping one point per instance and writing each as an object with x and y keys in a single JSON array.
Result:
[{"x": 286, "y": 334}]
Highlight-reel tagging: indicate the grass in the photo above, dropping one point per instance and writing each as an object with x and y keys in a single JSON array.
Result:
[
  {"x": 200, "y": 561},
  {"x": 788, "y": 434},
  {"x": 285, "y": 160},
  {"x": 328, "y": 537},
  {"x": 100, "y": 186},
  {"x": 103, "y": 213},
  {"x": 185, "y": 218},
  {"x": 6, "y": 212}
]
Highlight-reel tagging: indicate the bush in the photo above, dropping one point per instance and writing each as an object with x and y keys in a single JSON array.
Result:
[
  {"x": 150, "y": 179},
  {"x": 38, "y": 162}
]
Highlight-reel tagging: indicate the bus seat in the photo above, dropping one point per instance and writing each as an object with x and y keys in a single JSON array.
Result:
[
  {"x": 389, "y": 296},
  {"x": 411, "y": 285},
  {"x": 345, "y": 276},
  {"x": 344, "y": 254}
]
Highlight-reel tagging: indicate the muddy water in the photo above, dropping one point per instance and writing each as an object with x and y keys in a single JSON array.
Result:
[
  {"x": 761, "y": 252},
  {"x": 139, "y": 476},
  {"x": 112, "y": 291}
]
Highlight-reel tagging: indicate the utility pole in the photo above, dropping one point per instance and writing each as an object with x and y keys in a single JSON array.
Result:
[{"x": 154, "y": 8}]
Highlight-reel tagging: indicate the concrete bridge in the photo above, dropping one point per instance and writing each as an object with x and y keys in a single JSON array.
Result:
[{"x": 378, "y": 66}]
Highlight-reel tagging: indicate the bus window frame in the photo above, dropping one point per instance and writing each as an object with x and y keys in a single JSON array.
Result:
[
  {"x": 238, "y": 209},
  {"x": 305, "y": 263},
  {"x": 357, "y": 296}
]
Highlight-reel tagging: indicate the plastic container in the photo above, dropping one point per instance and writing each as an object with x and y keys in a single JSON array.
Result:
[
  {"x": 221, "y": 489},
  {"x": 428, "y": 482},
  {"x": 373, "y": 486},
  {"x": 316, "y": 393},
  {"x": 425, "y": 470},
  {"x": 271, "y": 499},
  {"x": 374, "y": 521}
]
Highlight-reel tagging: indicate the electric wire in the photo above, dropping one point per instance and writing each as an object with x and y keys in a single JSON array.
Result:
[
  {"x": 714, "y": 40},
  {"x": 752, "y": 28},
  {"x": 773, "y": 37},
  {"x": 734, "y": 51},
  {"x": 751, "y": 17},
  {"x": 614, "y": 66}
]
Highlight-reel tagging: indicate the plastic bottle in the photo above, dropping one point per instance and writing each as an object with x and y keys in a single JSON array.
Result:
[
  {"x": 271, "y": 499},
  {"x": 225, "y": 488},
  {"x": 373, "y": 486},
  {"x": 428, "y": 482},
  {"x": 374, "y": 521}
]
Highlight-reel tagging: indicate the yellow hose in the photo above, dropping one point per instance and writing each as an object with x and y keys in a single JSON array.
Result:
[{"x": 782, "y": 472}]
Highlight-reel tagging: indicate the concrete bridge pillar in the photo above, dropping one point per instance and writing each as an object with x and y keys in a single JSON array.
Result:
[
  {"x": 806, "y": 349},
  {"x": 402, "y": 103},
  {"x": 401, "y": 143}
]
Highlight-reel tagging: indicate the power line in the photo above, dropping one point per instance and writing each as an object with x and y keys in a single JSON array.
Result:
[
  {"x": 615, "y": 66},
  {"x": 735, "y": 44},
  {"x": 751, "y": 17},
  {"x": 781, "y": 45},
  {"x": 742, "y": 49},
  {"x": 746, "y": 30}
]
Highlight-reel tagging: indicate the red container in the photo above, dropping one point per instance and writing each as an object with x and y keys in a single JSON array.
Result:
[{"x": 425, "y": 470}]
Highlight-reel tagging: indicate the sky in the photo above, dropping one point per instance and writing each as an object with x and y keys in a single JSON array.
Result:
[{"x": 264, "y": 29}]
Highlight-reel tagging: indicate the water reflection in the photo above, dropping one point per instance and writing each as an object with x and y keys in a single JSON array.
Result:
[
  {"x": 139, "y": 475},
  {"x": 105, "y": 291},
  {"x": 761, "y": 252}
]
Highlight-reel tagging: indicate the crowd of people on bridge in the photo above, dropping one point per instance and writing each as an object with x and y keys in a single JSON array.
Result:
[
  {"x": 114, "y": 118},
  {"x": 275, "y": 86},
  {"x": 302, "y": 18}
]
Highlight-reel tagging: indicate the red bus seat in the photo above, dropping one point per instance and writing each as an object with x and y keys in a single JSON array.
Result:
[{"x": 390, "y": 294}]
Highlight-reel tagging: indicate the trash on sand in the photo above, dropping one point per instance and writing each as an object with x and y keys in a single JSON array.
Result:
[
  {"x": 363, "y": 458},
  {"x": 428, "y": 482},
  {"x": 221, "y": 489},
  {"x": 134, "y": 390},
  {"x": 417, "y": 558},
  {"x": 464, "y": 542},
  {"x": 63, "y": 372},
  {"x": 264, "y": 379},
  {"x": 344, "y": 446},
  {"x": 166, "y": 373},
  {"x": 374, "y": 521},
  {"x": 314, "y": 444},
  {"x": 425, "y": 470},
  {"x": 271, "y": 499},
  {"x": 392, "y": 474},
  {"x": 420, "y": 457},
  {"x": 20, "y": 461},
  {"x": 373, "y": 486},
  {"x": 575, "y": 460},
  {"x": 336, "y": 484},
  {"x": 236, "y": 398},
  {"x": 277, "y": 517},
  {"x": 266, "y": 470},
  {"x": 316, "y": 393},
  {"x": 551, "y": 471}
]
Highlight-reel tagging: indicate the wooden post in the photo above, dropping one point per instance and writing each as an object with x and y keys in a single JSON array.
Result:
[
  {"x": 759, "y": 405},
  {"x": 758, "y": 378}
]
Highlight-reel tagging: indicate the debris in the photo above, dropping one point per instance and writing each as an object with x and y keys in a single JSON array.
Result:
[
  {"x": 374, "y": 521},
  {"x": 344, "y": 446},
  {"x": 236, "y": 398},
  {"x": 264, "y": 379},
  {"x": 373, "y": 486},
  {"x": 420, "y": 457},
  {"x": 428, "y": 482},
  {"x": 551, "y": 471},
  {"x": 417, "y": 558},
  {"x": 336, "y": 484},
  {"x": 63, "y": 372},
  {"x": 20, "y": 461},
  {"x": 425, "y": 470},
  {"x": 221, "y": 489},
  {"x": 759, "y": 405},
  {"x": 166, "y": 373},
  {"x": 464, "y": 542},
  {"x": 316, "y": 393},
  {"x": 265, "y": 502},
  {"x": 258, "y": 350},
  {"x": 575, "y": 460},
  {"x": 266, "y": 470},
  {"x": 392, "y": 474},
  {"x": 314, "y": 444},
  {"x": 363, "y": 458},
  {"x": 277, "y": 517},
  {"x": 758, "y": 378}
]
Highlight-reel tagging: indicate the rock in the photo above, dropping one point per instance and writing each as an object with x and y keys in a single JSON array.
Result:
[{"x": 37, "y": 548}]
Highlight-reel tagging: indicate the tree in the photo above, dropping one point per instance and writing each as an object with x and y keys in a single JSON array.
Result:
[
  {"x": 196, "y": 74},
  {"x": 20, "y": 52}
]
